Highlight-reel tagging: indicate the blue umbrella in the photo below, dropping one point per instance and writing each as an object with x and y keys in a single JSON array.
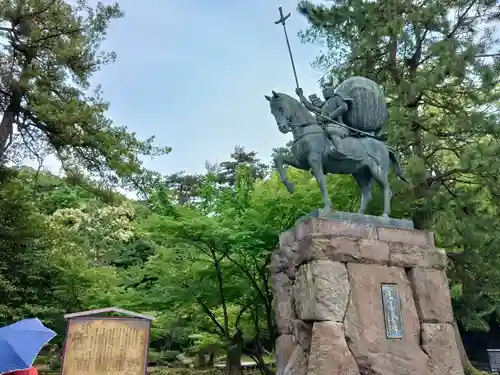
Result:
[{"x": 21, "y": 342}]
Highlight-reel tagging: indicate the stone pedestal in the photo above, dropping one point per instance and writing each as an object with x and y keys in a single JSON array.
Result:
[{"x": 327, "y": 279}]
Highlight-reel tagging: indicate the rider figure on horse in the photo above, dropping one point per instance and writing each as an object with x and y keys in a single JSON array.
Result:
[{"x": 333, "y": 108}]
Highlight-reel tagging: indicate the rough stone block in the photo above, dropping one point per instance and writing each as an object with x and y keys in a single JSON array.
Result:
[
  {"x": 438, "y": 341},
  {"x": 283, "y": 302},
  {"x": 408, "y": 236},
  {"x": 334, "y": 228},
  {"x": 321, "y": 291},
  {"x": 373, "y": 251},
  {"x": 407, "y": 256},
  {"x": 285, "y": 345},
  {"x": 432, "y": 295},
  {"x": 297, "y": 364},
  {"x": 341, "y": 249},
  {"x": 365, "y": 325},
  {"x": 287, "y": 238},
  {"x": 329, "y": 354},
  {"x": 302, "y": 332},
  {"x": 281, "y": 260}
]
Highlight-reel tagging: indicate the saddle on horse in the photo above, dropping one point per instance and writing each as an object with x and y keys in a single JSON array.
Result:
[{"x": 342, "y": 145}]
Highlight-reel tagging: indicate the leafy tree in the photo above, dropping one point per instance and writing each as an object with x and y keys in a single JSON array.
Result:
[
  {"x": 136, "y": 251},
  {"x": 285, "y": 150},
  {"x": 94, "y": 230},
  {"x": 440, "y": 71},
  {"x": 51, "y": 50},
  {"x": 52, "y": 192},
  {"x": 185, "y": 187},
  {"x": 226, "y": 171},
  {"x": 48, "y": 264},
  {"x": 193, "y": 271},
  {"x": 25, "y": 266}
]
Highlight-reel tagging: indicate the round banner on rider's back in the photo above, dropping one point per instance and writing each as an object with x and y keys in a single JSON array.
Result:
[{"x": 368, "y": 109}]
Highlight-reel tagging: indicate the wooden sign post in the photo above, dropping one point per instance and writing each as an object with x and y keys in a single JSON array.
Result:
[{"x": 106, "y": 345}]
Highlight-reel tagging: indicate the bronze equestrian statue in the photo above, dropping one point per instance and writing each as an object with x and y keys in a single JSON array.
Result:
[{"x": 342, "y": 137}]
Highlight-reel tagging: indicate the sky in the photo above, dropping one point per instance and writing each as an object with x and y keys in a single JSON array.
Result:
[{"x": 194, "y": 74}]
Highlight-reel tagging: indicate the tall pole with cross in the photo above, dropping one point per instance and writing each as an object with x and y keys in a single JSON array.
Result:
[{"x": 282, "y": 20}]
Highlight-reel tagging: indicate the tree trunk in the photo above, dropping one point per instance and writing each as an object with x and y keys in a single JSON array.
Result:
[
  {"x": 233, "y": 356},
  {"x": 200, "y": 360},
  {"x": 263, "y": 367},
  {"x": 221, "y": 293},
  {"x": 6, "y": 130},
  {"x": 14, "y": 107},
  {"x": 211, "y": 359}
]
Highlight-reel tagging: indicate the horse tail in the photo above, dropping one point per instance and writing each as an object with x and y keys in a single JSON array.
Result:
[{"x": 397, "y": 167}]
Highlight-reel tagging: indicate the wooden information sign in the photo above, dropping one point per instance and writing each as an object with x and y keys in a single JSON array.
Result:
[{"x": 106, "y": 345}]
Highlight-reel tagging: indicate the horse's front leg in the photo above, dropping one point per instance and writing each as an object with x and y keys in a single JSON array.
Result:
[
  {"x": 280, "y": 162},
  {"x": 316, "y": 164}
]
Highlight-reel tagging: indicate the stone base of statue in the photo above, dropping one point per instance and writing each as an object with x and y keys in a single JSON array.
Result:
[{"x": 359, "y": 298}]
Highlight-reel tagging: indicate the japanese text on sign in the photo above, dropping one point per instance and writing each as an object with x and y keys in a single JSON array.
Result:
[{"x": 106, "y": 346}]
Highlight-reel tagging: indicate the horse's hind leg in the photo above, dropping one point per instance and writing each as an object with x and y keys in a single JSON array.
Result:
[
  {"x": 363, "y": 178},
  {"x": 380, "y": 173}
]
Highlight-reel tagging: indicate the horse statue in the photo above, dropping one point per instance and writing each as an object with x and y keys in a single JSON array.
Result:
[{"x": 324, "y": 149}]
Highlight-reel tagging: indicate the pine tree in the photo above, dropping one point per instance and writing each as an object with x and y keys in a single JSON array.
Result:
[
  {"x": 227, "y": 171},
  {"x": 432, "y": 58},
  {"x": 50, "y": 51}
]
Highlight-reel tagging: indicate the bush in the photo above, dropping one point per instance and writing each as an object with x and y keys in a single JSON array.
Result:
[
  {"x": 162, "y": 357},
  {"x": 42, "y": 359},
  {"x": 54, "y": 363}
]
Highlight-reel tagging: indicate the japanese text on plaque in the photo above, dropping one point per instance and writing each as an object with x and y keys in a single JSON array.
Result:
[
  {"x": 392, "y": 311},
  {"x": 106, "y": 346}
]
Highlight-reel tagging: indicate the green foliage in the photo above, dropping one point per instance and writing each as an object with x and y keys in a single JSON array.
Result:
[
  {"x": 49, "y": 264},
  {"x": 25, "y": 269},
  {"x": 163, "y": 357},
  {"x": 444, "y": 107}
]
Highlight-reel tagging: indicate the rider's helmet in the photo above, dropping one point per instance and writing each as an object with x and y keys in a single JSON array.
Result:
[{"x": 328, "y": 91}]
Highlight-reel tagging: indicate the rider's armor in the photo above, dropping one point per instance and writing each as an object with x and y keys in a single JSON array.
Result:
[{"x": 327, "y": 108}]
